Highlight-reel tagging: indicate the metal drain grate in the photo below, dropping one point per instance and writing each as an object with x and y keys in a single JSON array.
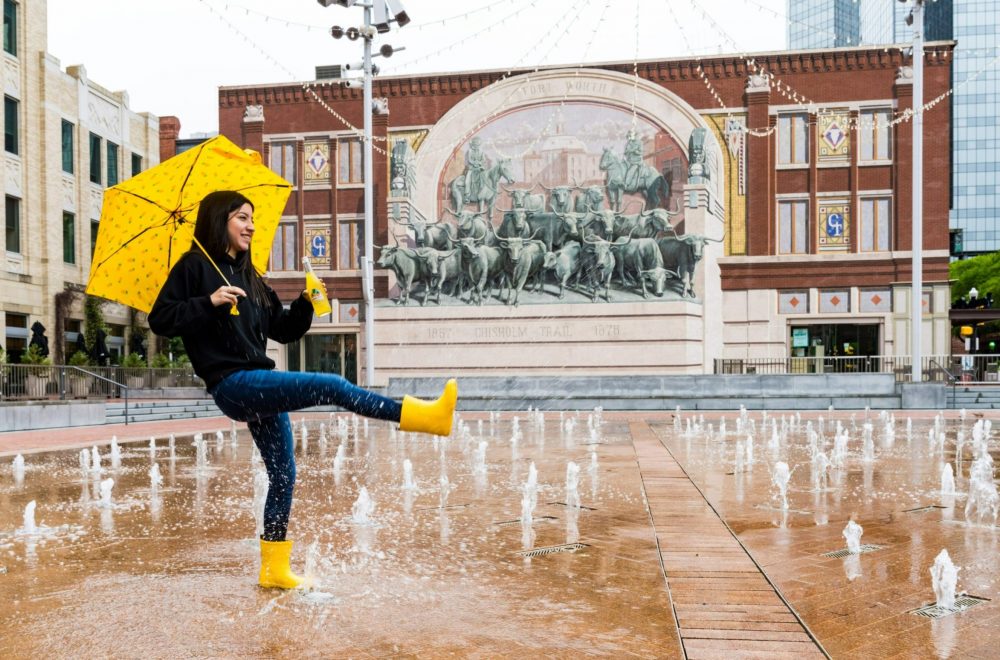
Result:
[
  {"x": 448, "y": 506},
  {"x": 568, "y": 547},
  {"x": 585, "y": 508},
  {"x": 962, "y": 603},
  {"x": 517, "y": 521},
  {"x": 844, "y": 552},
  {"x": 924, "y": 509}
]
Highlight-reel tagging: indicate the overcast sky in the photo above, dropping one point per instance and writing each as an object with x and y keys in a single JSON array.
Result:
[{"x": 172, "y": 55}]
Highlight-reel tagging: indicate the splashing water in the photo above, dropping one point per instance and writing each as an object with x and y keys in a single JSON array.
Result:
[
  {"x": 740, "y": 455},
  {"x": 85, "y": 460},
  {"x": 18, "y": 466},
  {"x": 260, "y": 484},
  {"x": 234, "y": 436},
  {"x": 362, "y": 508},
  {"x": 780, "y": 475},
  {"x": 572, "y": 481},
  {"x": 116, "y": 454},
  {"x": 479, "y": 459},
  {"x": 152, "y": 445},
  {"x": 820, "y": 466},
  {"x": 944, "y": 579},
  {"x": 155, "y": 479},
  {"x": 749, "y": 450},
  {"x": 947, "y": 480},
  {"x": 29, "y": 519},
  {"x": 852, "y": 534},
  {"x": 983, "y": 500},
  {"x": 408, "y": 483},
  {"x": 106, "y": 487},
  {"x": 445, "y": 489},
  {"x": 201, "y": 447},
  {"x": 219, "y": 439},
  {"x": 868, "y": 448},
  {"x": 529, "y": 495},
  {"x": 95, "y": 460}
]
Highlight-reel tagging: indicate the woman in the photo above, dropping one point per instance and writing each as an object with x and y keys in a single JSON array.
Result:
[{"x": 228, "y": 352}]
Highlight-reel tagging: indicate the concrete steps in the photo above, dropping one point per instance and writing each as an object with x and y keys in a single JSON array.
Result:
[
  {"x": 153, "y": 411},
  {"x": 974, "y": 396}
]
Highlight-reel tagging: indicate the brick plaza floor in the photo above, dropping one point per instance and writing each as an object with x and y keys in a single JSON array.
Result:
[{"x": 684, "y": 550}]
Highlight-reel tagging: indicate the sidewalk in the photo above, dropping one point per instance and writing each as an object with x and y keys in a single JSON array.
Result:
[{"x": 27, "y": 442}]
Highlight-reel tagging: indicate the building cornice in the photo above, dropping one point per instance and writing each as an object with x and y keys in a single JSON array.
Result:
[{"x": 888, "y": 58}]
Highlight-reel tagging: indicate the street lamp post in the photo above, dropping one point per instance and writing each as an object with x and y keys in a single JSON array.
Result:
[
  {"x": 386, "y": 11},
  {"x": 917, "y": 288}
]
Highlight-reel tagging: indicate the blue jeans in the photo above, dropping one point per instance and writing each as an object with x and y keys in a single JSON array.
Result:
[{"x": 263, "y": 400}]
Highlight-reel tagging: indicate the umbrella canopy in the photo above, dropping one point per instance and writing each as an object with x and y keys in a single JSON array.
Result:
[{"x": 147, "y": 222}]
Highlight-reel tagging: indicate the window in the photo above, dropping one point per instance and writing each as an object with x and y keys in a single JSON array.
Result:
[
  {"x": 10, "y": 128},
  {"x": 875, "y": 133},
  {"x": 112, "y": 164},
  {"x": 12, "y": 210},
  {"x": 349, "y": 245},
  {"x": 69, "y": 238},
  {"x": 17, "y": 336},
  {"x": 95, "y": 158},
  {"x": 136, "y": 164},
  {"x": 283, "y": 160},
  {"x": 283, "y": 248},
  {"x": 793, "y": 139},
  {"x": 67, "y": 147},
  {"x": 94, "y": 225},
  {"x": 350, "y": 159},
  {"x": 10, "y": 27},
  {"x": 793, "y": 228},
  {"x": 876, "y": 222}
]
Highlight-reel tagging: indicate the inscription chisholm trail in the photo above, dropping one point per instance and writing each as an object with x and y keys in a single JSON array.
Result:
[{"x": 525, "y": 332}]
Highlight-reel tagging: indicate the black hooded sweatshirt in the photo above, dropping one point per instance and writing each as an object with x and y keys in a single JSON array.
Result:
[{"x": 217, "y": 342}]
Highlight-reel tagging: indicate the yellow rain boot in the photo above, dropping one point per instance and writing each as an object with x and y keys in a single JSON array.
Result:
[
  {"x": 274, "y": 569},
  {"x": 430, "y": 416}
]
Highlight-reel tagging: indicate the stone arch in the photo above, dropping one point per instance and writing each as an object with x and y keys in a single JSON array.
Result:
[{"x": 654, "y": 103}]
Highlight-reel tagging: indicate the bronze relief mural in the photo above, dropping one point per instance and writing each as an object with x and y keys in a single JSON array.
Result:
[{"x": 575, "y": 202}]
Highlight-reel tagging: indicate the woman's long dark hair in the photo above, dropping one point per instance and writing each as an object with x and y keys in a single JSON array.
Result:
[{"x": 210, "y": 230}]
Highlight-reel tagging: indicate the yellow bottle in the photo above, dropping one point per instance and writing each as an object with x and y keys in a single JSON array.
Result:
[{"x": 317, "y": 292}]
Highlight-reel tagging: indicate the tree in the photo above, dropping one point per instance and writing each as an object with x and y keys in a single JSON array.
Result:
[{"x": 982, "y": 272}]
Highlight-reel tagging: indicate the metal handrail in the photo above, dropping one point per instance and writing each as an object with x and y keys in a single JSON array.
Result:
[{"x": 106, "y": 380}]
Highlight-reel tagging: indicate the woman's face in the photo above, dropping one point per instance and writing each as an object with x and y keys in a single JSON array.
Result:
[{"x": 239, "y": 229}]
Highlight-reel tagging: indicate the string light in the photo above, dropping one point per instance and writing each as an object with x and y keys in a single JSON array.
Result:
[{"x": 307, "y": 87}]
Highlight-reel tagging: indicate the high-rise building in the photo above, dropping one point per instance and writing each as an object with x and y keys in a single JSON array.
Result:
[
  {"x": 823, "y": 23},
  {"x": 974, "y": 25}
]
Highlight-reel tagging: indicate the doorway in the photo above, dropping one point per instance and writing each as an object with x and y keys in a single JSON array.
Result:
[
  {"x": 325, "y": 353},
  {"x": 843, "y": 346}
]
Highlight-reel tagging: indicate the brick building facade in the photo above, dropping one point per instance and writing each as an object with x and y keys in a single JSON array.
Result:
[{"x": 813, "y": 204}]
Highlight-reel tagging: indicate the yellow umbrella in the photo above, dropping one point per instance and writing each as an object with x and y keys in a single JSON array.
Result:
[{"x": 147, "y": 222}]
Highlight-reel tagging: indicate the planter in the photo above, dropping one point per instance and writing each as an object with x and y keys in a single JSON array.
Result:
[
  {"x": 164, "y": 381},
  {"x": 36, "y": 386},
  {"x": 80, "y": 385},
  {"x": 135, "y": 382}
]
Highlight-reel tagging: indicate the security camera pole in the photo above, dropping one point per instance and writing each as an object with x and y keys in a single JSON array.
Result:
[
  {"x": 386, "y": 11},
  {"x": 917, "y": 289}
]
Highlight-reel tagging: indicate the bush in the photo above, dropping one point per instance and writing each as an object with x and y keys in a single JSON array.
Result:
[
  {"x": 133, "y": 361},
  {"x": 79, "y": 359},
  {"x": 33, "y": 356},
  {"x": 161, "y": 361}
]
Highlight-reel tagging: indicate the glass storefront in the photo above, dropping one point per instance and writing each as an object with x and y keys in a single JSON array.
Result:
[
  {"x": 841, "y": 346},
  {"x": 325, "y": 353}
]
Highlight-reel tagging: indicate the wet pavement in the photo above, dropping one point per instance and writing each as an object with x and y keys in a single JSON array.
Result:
[{"x": 678, "y": 548}]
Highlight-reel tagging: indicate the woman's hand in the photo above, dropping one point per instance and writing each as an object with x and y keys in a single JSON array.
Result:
[{"x": 227, "y": 295}]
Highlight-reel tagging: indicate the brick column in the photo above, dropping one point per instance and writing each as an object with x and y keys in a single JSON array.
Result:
[
  {"x": 299, "y": 193},
  {"x": 902, "y": 165},
  {"x": 812, "y": 156},
  {"x": 380, "y": 169},
  {"x": 170, "y": 130},
  {"x": 334, "y": 231},
  {"x": 760, "y": 200},
  {"x": 853, "y": 184},
  {"x": 253, "y": 129}
]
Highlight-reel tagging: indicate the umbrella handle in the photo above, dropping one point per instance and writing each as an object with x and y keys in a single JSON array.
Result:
[{"x": 232, "y": 310}]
